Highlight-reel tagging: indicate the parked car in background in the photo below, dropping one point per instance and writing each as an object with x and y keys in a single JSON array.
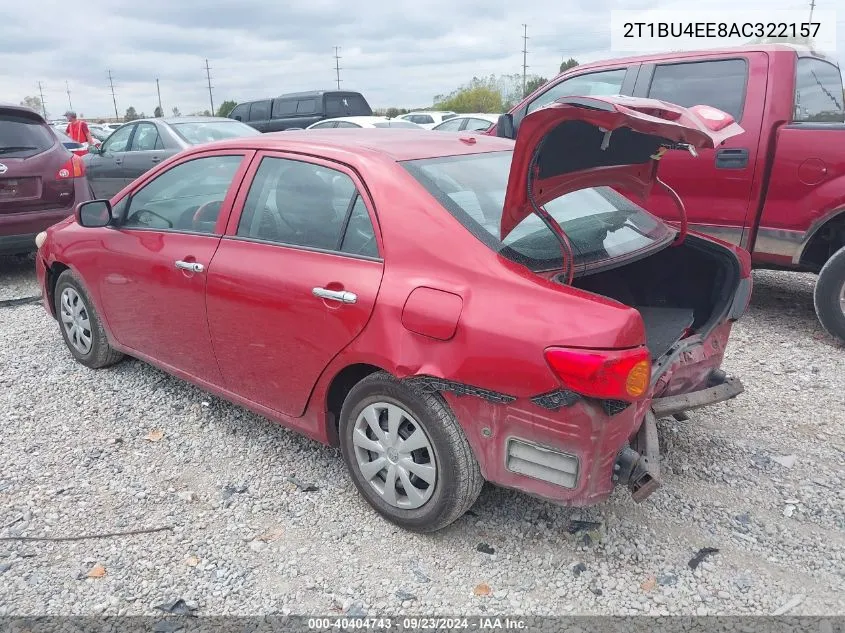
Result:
[
  {"x": 362, "y": 121},
  {"x": 468, "y": 122},
  {"x": 140, "y": 145},
  {"x": 40, "y": 179},
  {"x": 80, "y": 149},
  {"x": 111, "y": 127},
  {"x": 778, "y": 189},
  {"x": 300, "y": 109},
  {"x": 427, "y": 119},
  {"x": 492, "y": 344}
]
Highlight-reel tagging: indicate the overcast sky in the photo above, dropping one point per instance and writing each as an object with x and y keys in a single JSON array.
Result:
[{"x": 396, "y": 52}]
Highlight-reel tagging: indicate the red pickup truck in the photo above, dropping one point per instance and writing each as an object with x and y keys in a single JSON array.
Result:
[{"x": 778, "y": 189}]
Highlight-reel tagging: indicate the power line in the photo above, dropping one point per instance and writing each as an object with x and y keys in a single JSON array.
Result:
[
  {"x": 524, "y": 55},
  {"x": 158, "y": 91},
  {"x": 114, "y": 100},
  {"x": 43, "y": 105},
  {"x": 337, "y": 65},
  {"x": 208, "y": 76}
]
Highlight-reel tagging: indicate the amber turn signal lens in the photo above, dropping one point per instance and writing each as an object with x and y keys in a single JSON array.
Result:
[{"x": 637, "y": 381}]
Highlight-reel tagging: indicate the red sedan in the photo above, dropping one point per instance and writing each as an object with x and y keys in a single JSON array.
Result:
[{"x": 447, "y": 308}]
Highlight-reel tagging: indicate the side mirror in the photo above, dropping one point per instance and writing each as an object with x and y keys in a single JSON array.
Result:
[
  {"x": 504, "y": 126},
  {"x": 95, "y": 149},
  {"x": 94, "y": 213}
]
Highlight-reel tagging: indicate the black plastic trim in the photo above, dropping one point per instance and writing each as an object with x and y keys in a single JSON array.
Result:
[
  {"x": 556, "y": 399},
  {"x": 433, "y": 384}
]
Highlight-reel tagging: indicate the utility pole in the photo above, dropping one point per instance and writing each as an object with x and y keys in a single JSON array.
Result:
[
  {"x": 158, "y": 91},
  {"x": 208, "y": 76},
  {"x": 70, "y": 105},
  {"x": 43, "y": 105},
  {"x": 524, "y": 55},
  {"x": 812, "y": 6},
  {"x": 114, "y": 100},
  {"x": 337, "y": 65}
]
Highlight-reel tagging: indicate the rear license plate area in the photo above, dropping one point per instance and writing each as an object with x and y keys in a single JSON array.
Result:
[{"x": 17, "y": 188}]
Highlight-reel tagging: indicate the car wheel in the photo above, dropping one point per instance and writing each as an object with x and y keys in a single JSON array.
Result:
[
  {"x": 829, "y": 295},
  {"x": 407, "y": 454},
  {"x": 80, "y": 325}
]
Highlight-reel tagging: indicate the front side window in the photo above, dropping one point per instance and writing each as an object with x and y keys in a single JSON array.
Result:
[
  {"x": 187, "y": 197},
  {"x": 719, "y": 84},
  {"x": 453, "y": 125},
  {"x": 478, "y": 125},
  {"x": 259, "y": 111},
  {"x": 240, "y": 112},
  {"x": 604, "y": 83},
  {"x": 324, "y": 125},
  {"x": 818, "y": 92},
  {"x": 600, "y": 223},
  {"x": 302, "y": 204},
  {"x": 146, "y": 138},
  {"x": 347, "y": 124},
  {"x": 119, "y": 141}
]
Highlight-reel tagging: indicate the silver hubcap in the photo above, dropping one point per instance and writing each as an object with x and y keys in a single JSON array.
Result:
[
  {"x": 75, "y": 320},
  {"x": 842, "y": 299},
  {"x": 394, "y": 455}
]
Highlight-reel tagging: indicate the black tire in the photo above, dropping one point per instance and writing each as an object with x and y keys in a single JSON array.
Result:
[
  {"x": 459, "y": 480},
  {"x": 101, "y": 354},
  {"x": 828, "y": 293}
]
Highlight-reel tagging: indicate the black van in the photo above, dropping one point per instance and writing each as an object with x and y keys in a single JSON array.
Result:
[{"x": 300, "y": 109}]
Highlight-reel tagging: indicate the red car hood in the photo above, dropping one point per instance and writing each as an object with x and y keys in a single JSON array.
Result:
[{"x": 579, "y": 142}]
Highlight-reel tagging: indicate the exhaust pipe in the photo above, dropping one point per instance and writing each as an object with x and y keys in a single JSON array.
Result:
[{"x": 638, "y": 465}]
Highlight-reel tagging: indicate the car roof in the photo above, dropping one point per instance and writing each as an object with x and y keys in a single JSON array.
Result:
[
  {"x": 396, "y": 144},
  {"x": 181, "y": 119}
]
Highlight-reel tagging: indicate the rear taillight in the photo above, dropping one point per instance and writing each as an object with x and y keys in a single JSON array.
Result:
[
  {"x": 73, "y": 168},
  {"x": 603, "y": 374}
]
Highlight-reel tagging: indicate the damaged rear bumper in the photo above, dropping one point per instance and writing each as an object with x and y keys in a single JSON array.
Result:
[{"x": 638, "y": 464}]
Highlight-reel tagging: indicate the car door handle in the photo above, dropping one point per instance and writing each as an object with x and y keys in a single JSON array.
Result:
[
  {"x": 344, "y": 296},
  {"x": 732, "y": 158},
  {"x": 156, "y": 159},
  {"x": 118, "y": 161},
  {"x": 194, "y": 267}
]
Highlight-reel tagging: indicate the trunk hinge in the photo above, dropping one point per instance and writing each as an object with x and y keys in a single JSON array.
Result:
[
  {"x": 549, "y": 221},
  {"x": 682, "y": 232}
]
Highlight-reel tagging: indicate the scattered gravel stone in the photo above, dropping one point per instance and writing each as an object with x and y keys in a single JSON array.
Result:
[
  {"x": 63, "y": 472},
  {"x": 484, "y": 548}
]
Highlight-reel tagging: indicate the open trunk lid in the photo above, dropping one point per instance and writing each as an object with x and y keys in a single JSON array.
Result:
[{"x": 579, "y": 142}]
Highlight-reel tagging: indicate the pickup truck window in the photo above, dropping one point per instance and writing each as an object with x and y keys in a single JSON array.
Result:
[
  {"x": 818, "y": 92},
  {"x": 608, "y": 82},
  {"x": 718, "y": 84},
  {"x": 259, "y": 111}
]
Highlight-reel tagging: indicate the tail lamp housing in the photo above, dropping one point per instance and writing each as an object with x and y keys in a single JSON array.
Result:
[
  {"x": 73, "y": 168},
  {"x": 603, "y": 374}
]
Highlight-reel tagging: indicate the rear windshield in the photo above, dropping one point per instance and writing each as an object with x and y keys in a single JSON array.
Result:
[
  {"x": 347, "y": 105},
  {"x": 21, "y": 137},
  {"x": 207, "y": 131},
  {"x": 818, "y": 92},
  {"x": 600, "y": 223},
  {"x": 396, "y": 124}
]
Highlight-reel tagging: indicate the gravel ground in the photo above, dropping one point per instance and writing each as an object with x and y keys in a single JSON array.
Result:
[{"x": 761, "y": 478}]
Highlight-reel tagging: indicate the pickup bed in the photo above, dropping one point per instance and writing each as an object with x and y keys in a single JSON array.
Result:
[{"x": 778, "y": 189}]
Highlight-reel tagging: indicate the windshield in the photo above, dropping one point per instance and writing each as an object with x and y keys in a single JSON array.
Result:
[
  {"x": 198, "y": 132},
  {"x": 600, "y": 223}
]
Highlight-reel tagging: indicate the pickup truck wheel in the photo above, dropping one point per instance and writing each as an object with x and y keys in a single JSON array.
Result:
[
  {"x": 829, "y": 295},
  {"x": 407, "y": 454}
]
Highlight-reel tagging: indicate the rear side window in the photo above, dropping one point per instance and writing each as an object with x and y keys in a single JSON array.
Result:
[
  {"x": 346, "y": 105},
  {"x": 283, "y": 107},
  {"x": 718, "y": 84},
  {"x": 818, "y": 92},
  {"x": 21, "y": 136},
  {"x": 306, "y": 106},
  {"x": 259, "y": 111},
  {"x": 302, "y": 204}
]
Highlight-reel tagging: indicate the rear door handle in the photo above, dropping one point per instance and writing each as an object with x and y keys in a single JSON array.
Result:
[
  {"x": 156, "y": 159},
  {"x": 344, "y": 296},
  {"x": 193, "y": 267},
  {"x": 118, "y": 161},
  {"x": 732, "y": 158}
]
